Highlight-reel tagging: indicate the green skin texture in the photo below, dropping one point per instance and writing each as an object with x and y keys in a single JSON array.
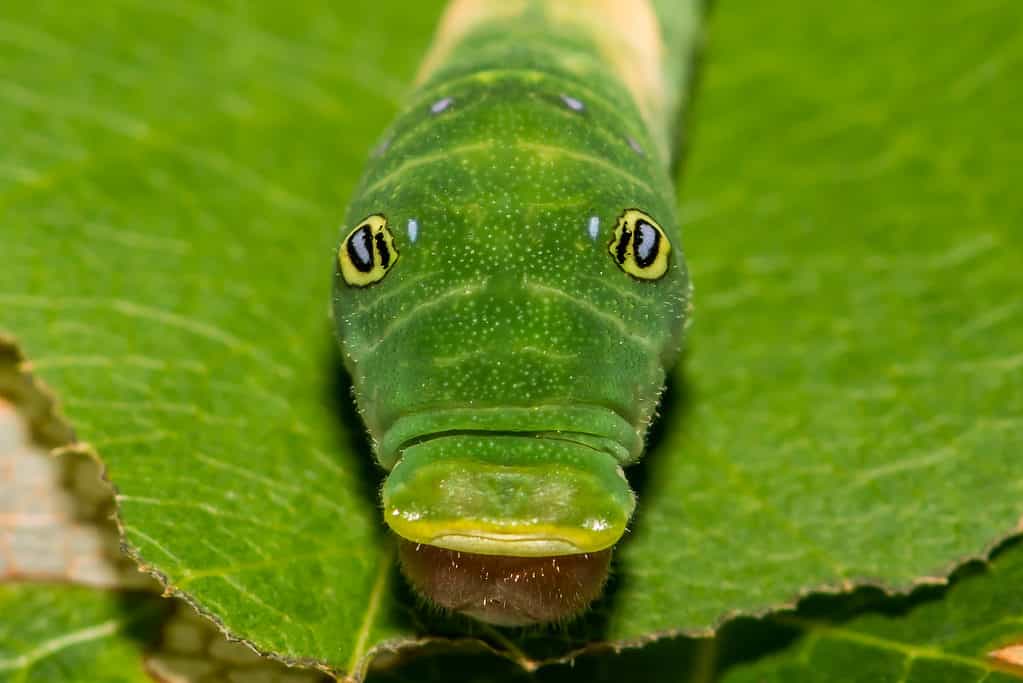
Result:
[{"x": 506, "y": 367}]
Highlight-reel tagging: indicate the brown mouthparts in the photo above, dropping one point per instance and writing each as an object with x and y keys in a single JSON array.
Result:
[{"x": 502, "y": 590}]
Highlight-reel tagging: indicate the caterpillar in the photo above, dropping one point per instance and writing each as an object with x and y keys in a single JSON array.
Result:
[{"x": 510, "y": 292}]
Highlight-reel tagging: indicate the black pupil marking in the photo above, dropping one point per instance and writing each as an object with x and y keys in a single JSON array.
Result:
[
  {"x": 646, "y": 243},
  {"x": 359, "y": 251},
  {"x": 385, "y": 253},
  {"x": 623, "y": 244}
]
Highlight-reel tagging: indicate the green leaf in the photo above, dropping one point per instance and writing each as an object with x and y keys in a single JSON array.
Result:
[
  {"x": 70, "y": 634},
  {"x": 58, "y": 633},
  {"x": 955, "y": 633},
  {"x": 55, "y": 530},
  {"x": 850, "y": 408},
  {"x": 848, "y": 412},
  {"x": 933, "y": 638},
  {"x": 171, "y": 191}
]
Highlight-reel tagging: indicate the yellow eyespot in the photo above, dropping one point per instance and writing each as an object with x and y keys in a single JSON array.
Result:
[
  {"x": 639, "y": 246},
  {"x": 368, "y": 252}
]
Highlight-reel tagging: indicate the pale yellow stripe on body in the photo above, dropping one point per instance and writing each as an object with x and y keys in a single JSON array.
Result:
[
  {"x": 629, "y": 39},
  {"x": 461, "y": 17},
  {"x": 625, "y": 31}
]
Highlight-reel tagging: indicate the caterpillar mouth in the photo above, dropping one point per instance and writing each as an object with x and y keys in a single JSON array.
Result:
[
  {"x": 510, "y": 529},
  {"x": 513, "y": 495},
  {"x": 505, "y": 591}
]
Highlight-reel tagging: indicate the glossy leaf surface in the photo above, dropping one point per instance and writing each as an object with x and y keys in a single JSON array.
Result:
[{"x": 849, "y": 409}]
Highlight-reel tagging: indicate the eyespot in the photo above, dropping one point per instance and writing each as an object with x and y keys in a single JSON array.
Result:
[
  {"x": 639, "y": 246},
  {"x": 368, "y": 252}
]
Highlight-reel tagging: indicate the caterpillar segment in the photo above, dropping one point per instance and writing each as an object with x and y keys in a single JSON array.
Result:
[{"x": 510, "y": 292}]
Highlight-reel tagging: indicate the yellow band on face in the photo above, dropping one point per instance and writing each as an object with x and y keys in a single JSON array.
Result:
[
  {"x": 513, "y": 495},
  {"x": 489, "y": 537}
]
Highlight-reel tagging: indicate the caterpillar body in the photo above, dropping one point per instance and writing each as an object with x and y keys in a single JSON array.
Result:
[{"x": 510, "y": 292}]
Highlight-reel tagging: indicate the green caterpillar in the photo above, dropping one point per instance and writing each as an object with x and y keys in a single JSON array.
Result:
[{"x": 510, "y": 292}]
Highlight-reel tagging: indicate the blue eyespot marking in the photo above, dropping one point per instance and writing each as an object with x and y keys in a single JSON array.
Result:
[
  {"x": 360, "y": 248},
  {"x": 644, "y": 242},
  {"x": 594, "y": 227},
  {"x": 413, "y": 229}
]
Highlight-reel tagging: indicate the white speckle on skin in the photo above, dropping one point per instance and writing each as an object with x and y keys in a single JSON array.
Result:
[
  {"x": 441, "y": 104},
  {"x": 594, "y": 227},
  {"x": 635, "y": 146},
  {"x": 572, "y": 103},
  {"x": 413, "y": 229}
]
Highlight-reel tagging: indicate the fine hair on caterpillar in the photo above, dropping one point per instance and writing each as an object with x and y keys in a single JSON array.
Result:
[{"x": 510, "y": 291}]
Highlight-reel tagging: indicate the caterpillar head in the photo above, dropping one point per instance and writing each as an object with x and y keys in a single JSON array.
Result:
[{"x": 508, "y": 306}]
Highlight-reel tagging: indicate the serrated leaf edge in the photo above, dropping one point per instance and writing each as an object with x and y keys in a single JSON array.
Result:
[{"x": 50, "y": 425}]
